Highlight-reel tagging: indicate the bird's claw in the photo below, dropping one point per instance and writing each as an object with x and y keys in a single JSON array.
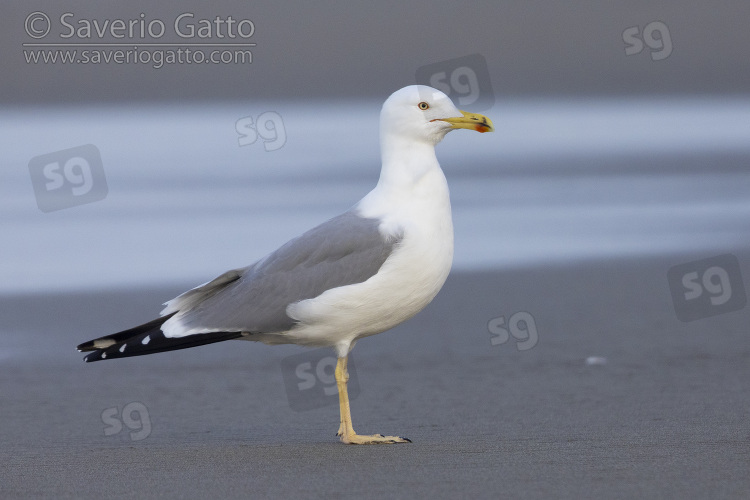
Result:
[{"x": 373, "y": 439}]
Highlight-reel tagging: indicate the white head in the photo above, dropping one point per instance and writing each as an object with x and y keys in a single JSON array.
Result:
[{"x": 422, "y": 114}]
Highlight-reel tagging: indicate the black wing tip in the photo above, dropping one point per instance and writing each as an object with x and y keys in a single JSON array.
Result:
[
  {"x": 104, "y": 343},
  {"x": 82, "y": 348},
  {"x": 94, "y": 353},
  {"x": 85, "y": 347},
  {"x": 157, "y": 343},
  {"x": 116, "y": 339},
  {"x": 100, "y": 354},
  {"x": 94, "y": 356}
]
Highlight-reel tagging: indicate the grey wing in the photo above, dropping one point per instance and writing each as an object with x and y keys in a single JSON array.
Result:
[{"x": 345, "y": 250}]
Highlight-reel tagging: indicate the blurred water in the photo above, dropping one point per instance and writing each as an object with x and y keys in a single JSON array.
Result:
[{"x": 559, "y": 180}]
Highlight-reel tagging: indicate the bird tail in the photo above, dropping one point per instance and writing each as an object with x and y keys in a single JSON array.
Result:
[{"x": 147, "y": 339}]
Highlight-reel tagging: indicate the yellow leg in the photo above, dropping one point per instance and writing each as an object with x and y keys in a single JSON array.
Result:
[{"x": 348, "y": 436}]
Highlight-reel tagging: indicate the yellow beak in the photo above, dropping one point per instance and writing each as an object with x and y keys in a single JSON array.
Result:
[{"x": 471, "y": 121}]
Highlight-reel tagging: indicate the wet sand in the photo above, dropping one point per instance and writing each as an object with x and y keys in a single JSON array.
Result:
[{"x": 660, "y": 411}]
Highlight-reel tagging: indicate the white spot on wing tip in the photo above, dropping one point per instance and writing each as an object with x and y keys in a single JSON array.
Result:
[
  {"x": 122, "y": 349},
  {"x": 146, "y": 339},
  {"x": 104, "y": 355},
  {"x": 103, "y": 343}
]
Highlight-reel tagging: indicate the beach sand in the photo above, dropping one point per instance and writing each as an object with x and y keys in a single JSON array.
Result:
[{"x": 659, "y": 411}]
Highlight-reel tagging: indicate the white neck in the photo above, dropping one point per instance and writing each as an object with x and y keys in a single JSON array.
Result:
[
  {"x": 405, "y": 163},
  {"x": 411, "y": 186}
]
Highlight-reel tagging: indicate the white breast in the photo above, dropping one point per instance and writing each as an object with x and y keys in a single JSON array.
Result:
[{"x": 408, "y": 280}]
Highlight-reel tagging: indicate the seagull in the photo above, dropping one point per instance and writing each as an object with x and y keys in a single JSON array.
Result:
[{"x": 358, "y": 274}]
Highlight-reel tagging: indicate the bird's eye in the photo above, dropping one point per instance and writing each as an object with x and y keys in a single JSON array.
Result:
[{"x": 423, "y": 105}]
